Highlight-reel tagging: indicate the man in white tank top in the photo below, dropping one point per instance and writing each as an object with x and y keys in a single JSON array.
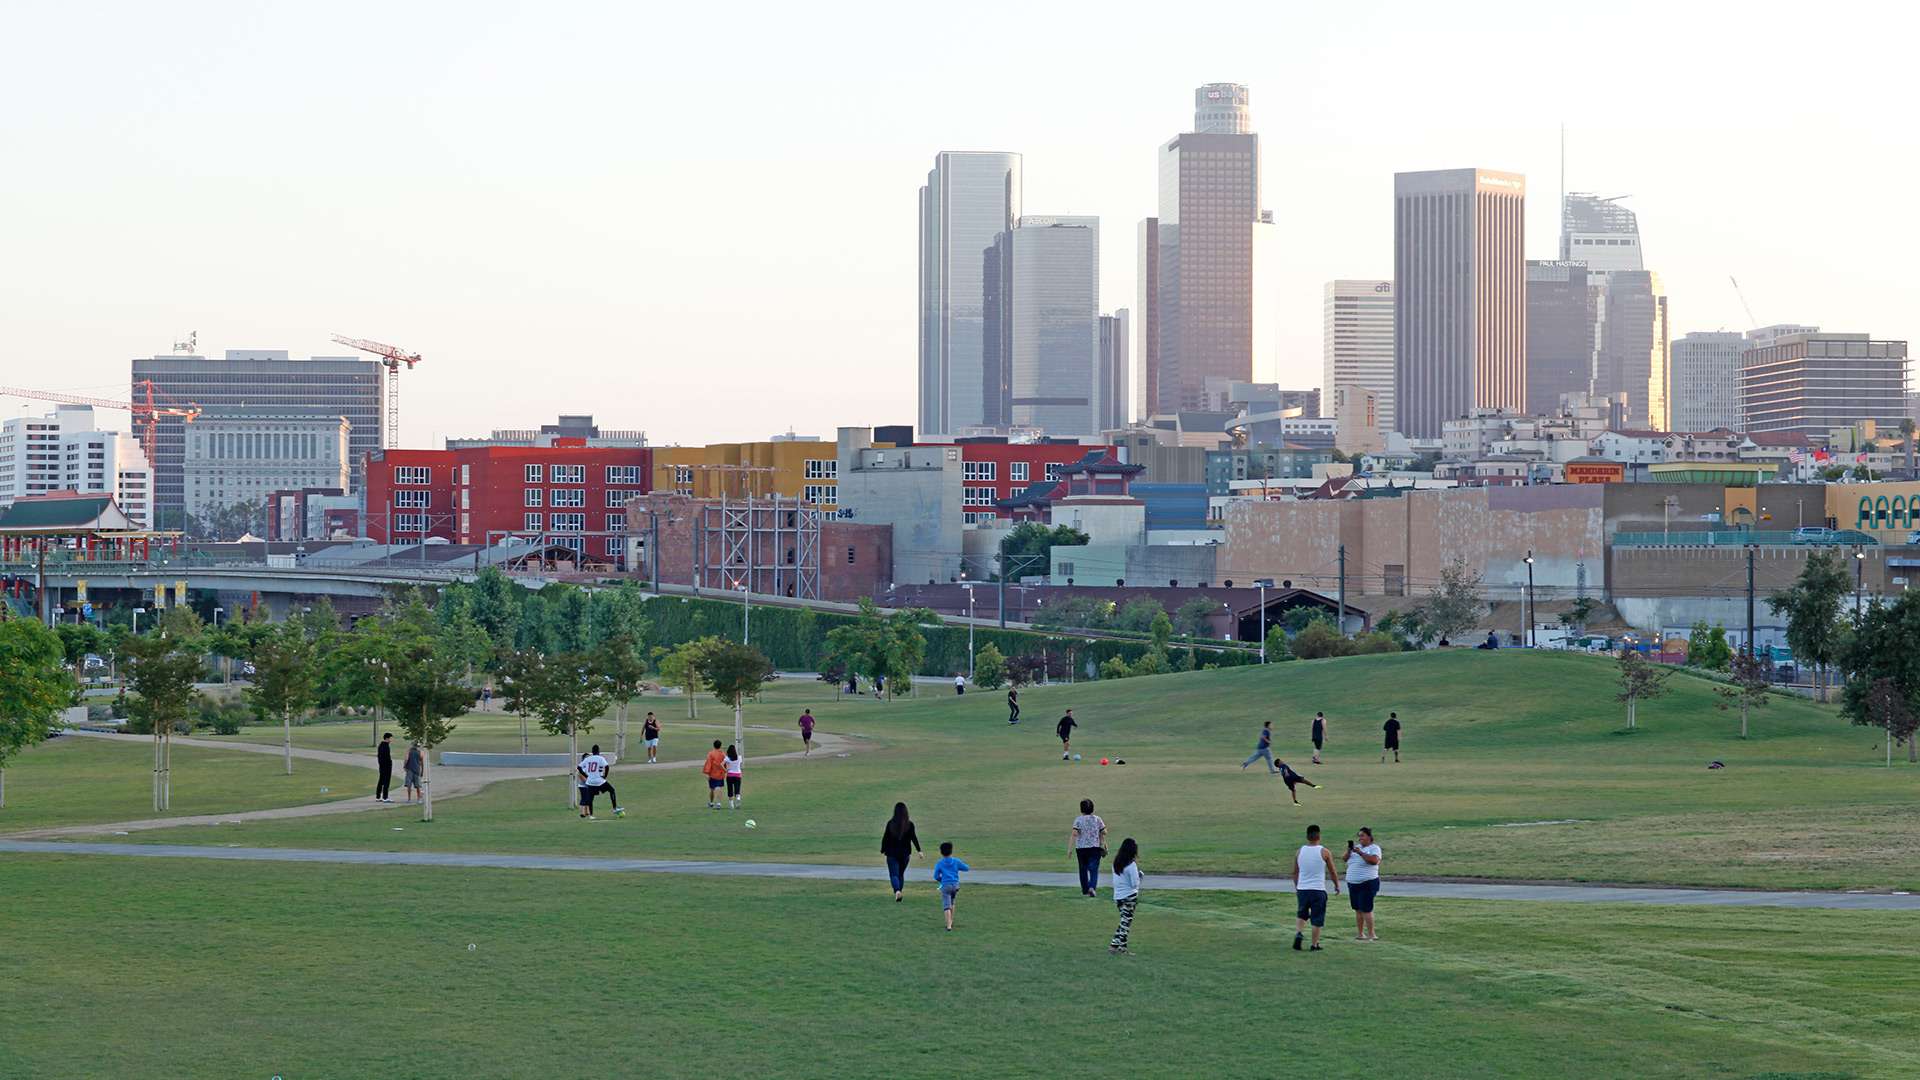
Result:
[{"x": 1312, "y": 869}]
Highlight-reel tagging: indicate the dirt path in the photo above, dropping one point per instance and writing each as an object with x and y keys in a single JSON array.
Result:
[{"x": 448, "y": 781}]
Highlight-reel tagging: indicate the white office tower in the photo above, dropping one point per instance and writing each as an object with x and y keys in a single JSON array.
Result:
[
  {"x": 1356, "y": 346},
  {"x": 65, "y": 451},
  {"x": 1054, "y": 377}
]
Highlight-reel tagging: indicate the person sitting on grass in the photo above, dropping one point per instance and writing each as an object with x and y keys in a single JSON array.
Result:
[{"x": 946, "y": 874}]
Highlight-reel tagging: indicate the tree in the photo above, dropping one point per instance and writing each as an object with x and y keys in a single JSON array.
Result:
[
  {"x": 284, "y": 680},
  {"x": 1137, "y": 614},
  {"x": 358, "y": 670},
  {"x": 1195, "y": 617},
  {"x": 34, "y": 690},
  {"x": 619, "y": 661},
  {"x": 1707, "y": 647},
  {"x": 518, "y": 673},
  {"x": 735, "y": 673},
  {"x": 888, "y": 647},
  {"x": 1639, "y": 681},
  {"x": 1882, "y": 650},
  {"x": 1028, "y": 546},
  {"x": 425, "y": 692},
  {"x": 1319, "y": 640},
  {"x": 1162, "y": 631},
  {"x": 228, "y": 522},
  {"x": 1749, "y": 688},
  {"x": 1029, "y": 669},
  {"x": 492, "y": 602},
  {"x": 685, "y": 667},
  {"x": 162, "y": 669},
  {"x": 1812, "y": 607},
  {"x": 1298, "y": 619},
  {"x": 566, "y": 697},
  {"x": 989, "y": 668},
  {"x": 1579, "y": 613},
  {"x": 1375, "y": 642},
  {"x": 1404, "y": 625},
  {"x": 77, "y": 640},
  {"x": 1455, "y": 607},
  {"x": 1884, "y": 706}
]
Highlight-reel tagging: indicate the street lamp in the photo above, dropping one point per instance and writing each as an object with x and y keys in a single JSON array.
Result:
[
  {"x": 226, "y": 662},
  {"x": 1531, "y": 640},
  {"x": 969, "y": 633},
  {"x": 137, "y": 612},
  {"x": 1264, "y": 584},
  {"x": 1859, "y": 572},
  {"x": 746, "y": 617}
]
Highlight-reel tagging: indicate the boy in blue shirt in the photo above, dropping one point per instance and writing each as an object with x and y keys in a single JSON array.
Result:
[{"x": 946, "y": 874}]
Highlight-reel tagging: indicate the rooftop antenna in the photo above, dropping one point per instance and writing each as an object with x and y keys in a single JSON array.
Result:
[{"x": 189, "y": 346}]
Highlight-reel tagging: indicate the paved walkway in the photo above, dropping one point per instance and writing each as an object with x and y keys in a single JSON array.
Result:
[
  {"x": 1584, "y": 894},
  {"x": 448, "y": 781}
]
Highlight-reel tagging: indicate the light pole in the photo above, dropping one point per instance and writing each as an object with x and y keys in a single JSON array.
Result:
[
  {"x": 969, "y": 633},
  {"x": 1264, "y": 583},
  {"x": 1859, "y": 573},
  {"x": 137, "y": 612},
  {"x": 746, "y": 617},
  {"x": 1531, "y": 642},
  {"x": 226, "y": 662}
]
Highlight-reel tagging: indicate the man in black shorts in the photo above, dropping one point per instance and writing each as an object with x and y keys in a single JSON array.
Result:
[
  {"x": 1319, "y": 734},
  {"x": 1287, "y": 774},
  {"x": 1065, "y": 728},
  {"x": 1013, "y": 705},
  {"x": 1392, "y": 729}
]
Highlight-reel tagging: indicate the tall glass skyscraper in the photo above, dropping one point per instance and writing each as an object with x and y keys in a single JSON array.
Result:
[
  {"x": 1055, "y": 373},
  {"x": 1559, "y": 333},
  {"x": 1460, "y": 300},
  {"x": 1629, "y": 306},
  {"x": 970, "y": 202}
]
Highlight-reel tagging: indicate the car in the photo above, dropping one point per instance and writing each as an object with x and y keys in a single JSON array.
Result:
[
  {"x": 1913, "y": 539},
  {"x": 1814, "y": 534}
]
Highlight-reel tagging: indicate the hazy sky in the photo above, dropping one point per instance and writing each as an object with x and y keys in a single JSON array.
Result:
[{"x": 701, "y": 222}]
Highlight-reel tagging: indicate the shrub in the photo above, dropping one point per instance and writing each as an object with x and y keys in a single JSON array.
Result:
[
  {"x": 1319, "y": 639},
  {"x": 989, "y": 668},
  {"x": 1375, "y": 642},
  {"x": 99, "y": 712},
  {"x": 1115, "y": 668}
]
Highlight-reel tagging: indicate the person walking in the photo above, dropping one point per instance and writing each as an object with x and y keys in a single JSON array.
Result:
[
  {"x": 1263, "y": 749},
  {"x": 1126, "y": 893},
  {"x": 383, "y": 754},
  {"x": 1319, "y": 734},
  {"x": 1392, "y": 730},
  {"x": 946, "y": 875},
  {"x": 1292, "y": 779},
  {"x": 959, "y": 685},
  {"x": 415, "y": 764},
  {"x": 1312, "y": 870},
  {"x": 1363, "y": 882},
  {"x": 486, "y": 697},
  {"x": 733, "y": 777},
  {"x": 853, "y": 683},
  {"x": 650, "y": 734},
  {"x": 715, "y": 770},
  {"x": 1065, "y": 728},
  {"x": 1013, "y": 705},
  {"x": 1088, "y": 839},
  {"x": 595, "y": 780},
  {"x": 898, "y": 842},
  {"x": 806, "y": 730}
]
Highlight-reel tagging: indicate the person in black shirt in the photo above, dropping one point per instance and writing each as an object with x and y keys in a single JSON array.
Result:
[
  {"x": 898, "y": 843},
  {"x": 384, "y": 755},
  {"x": 1319, "y": 734},
  {"x": 1291, "y": 778},
  {"x": 1013, "y": 705},
  {"x": 1065, "y": 728},
  {"x": 1392, "y": 728}
]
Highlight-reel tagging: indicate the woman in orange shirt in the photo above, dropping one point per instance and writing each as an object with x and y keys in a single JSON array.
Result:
[{"x": 716, "y": 770}]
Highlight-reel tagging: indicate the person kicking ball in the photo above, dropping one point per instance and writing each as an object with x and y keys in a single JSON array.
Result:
[{"x": 1065, "y": 728}]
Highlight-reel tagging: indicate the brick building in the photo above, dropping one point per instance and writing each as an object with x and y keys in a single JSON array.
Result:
[
  {"x": 568, "y": 494},
  {"x": 851, "y": 560}
]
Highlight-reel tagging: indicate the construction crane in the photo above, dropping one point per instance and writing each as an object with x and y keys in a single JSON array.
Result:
[
  {"x": 146, "y": 414},
  {"x": 1751, "y": 321},
  {"x": 392, "y": 356}
]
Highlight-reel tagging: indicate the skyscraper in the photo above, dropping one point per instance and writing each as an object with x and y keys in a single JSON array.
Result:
[
  {"x": 343, "y": 386},
  {"x": 970, "y": 201},
  {"x": 1356, "y": 348},
  {"x": 1202, "y": 309},
  {"x": 1116, "y": 381},
  {"x": 1630, "y": 326},
  {"x": 1460, "y": 302},
  {"x": 1705, "y": 381},
  {"x": 64, "y": 451},
  {"x": 1818, "y": 382},
  {"x": 1146, "y": 349},
  {"x": 1559, "y": 333},
  {"x": 1055, "y": 370}
]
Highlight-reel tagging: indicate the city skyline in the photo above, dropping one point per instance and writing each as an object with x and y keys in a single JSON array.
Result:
[{"x": 341, "y": 192}]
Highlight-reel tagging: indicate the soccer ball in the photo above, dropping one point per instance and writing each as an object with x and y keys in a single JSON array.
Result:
[
  {"x": 752, "y": 824},
  {"x": 1076, "y": 757},
  {"x": 1103, "y": 761}
]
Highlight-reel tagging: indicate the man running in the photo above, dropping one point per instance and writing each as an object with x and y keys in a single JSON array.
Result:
[
  {"x": 806, "y": 730},
  {"x": 1065, "y": 728},
  {"x": 650, "y": 732},
  {"x": 1392, "y": 729},
  {"x": 1312, "y": 869},
  {"x": 1013, "y": 705},
  {"x": 1263, "y": 750},
  {"x": 1292, "y": 778},
  {"x": 593, "y": 771},
  {"x": 715, "y": 770},
  {"x": 1319, "y": 734}
]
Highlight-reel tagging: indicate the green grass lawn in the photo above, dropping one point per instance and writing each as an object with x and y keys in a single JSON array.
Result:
[
  {"x": 76, "y": 780},
  {"x": 324, "y": 971},
  {"x": 1494, "y": 743}
]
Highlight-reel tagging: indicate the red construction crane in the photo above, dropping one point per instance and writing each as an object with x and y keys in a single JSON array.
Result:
[
  {"x": 392, "y": 356},
  {"x": 145, "y": 413}
]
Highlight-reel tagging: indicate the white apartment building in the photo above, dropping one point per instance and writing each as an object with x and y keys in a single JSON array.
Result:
[
  {"x": 244, "y": 454},
  {"x": 1705, "y": 373},
  {"x": 65, "y": 451},
  {"x": 1356, "y": 345}
]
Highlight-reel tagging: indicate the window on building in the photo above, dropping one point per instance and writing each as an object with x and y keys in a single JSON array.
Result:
[
  {"x": 534, "y": 474},
  {"x": 616, "y": 546},
  {"x": 412, "y": 474},
  {"x": 623, "y": 474},
  {"x": 413, "y": 500},
  {"x": 409, "y": 523},
  {"x": 828, "y": 469},
  {"x": 976, "y": 471},
  {"x": 819, "y": 494},
  {"x": 978, "y": 496},
  {"x": 616, "y": 523},
  {"x": 1017, "y": 472},
  {"x": 568, "y": 496},
  {"x": 569, "y": 474},
  {"x": 466, "y": 474},
  {"x": 534, "y": 497},
  {"x": 617, "y": 499},
  {"x": 577, "y": 543},
  {"x": 567, "y": 523},
  {"x": 683, "y": 475},
  {"x": 1053, "y": 470},
  {"x": 532, "y": 522},
  {"x": 849, "y": 556},
  {"x": 465, "y": 502},
  {"x": 976, "y": 517}
]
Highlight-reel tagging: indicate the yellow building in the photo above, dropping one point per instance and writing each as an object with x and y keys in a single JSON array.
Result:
[
  {"x": 790, "y": 469},
  {"x": 1890, "y": 512}
]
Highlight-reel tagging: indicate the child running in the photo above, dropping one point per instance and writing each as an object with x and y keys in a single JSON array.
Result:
[
  {"x": 715, "y": 770},
  {"x": 733, "y": 777},
  {"x": 1287, "y": 774},
  {"x": 946, "y": 874}
]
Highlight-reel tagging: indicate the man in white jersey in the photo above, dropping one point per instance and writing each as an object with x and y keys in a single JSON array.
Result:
[
  {"x": 1363, "y": 882},
  {"x": 1312, "y": 869},
  {"x": 592, "y": 772}
]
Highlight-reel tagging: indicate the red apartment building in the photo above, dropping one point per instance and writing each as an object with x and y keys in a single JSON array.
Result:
[
  {"x": 568, "y": 494},
  {"x": 993, "y": 471}
]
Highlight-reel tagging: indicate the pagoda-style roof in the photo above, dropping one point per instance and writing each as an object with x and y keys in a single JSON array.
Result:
[
  {"x": 65, "y": 513},
  {"x": 1100, "y": 462}
]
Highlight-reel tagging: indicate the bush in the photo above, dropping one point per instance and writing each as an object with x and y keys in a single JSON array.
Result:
[
  {"x": 223, "y": 717},
  {"x": 1115, "y": 668},
  {"x": 1375, "y": 642},
  {"x": 99, "y": 712},
  {"x": 1319, "y": 639},
  {"x": 989, "y": 668}
]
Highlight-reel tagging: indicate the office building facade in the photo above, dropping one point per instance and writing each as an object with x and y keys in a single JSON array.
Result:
[
  {"x": 1812, "y": 384},
  {"x": 1116, "y": 378},
  {"x": 265, "y": 378},
  {"x": 1559, "y": 333},
  {"x": 1146, "y": 342},
  {"x": 1704, "y": 388},
  {"x": 244, "y": 455},
  {"x": 65, "y": 451},
  {"x": 1203, "y": 307},
  {"x": 1632, "y": 358},
  {"x": 1356, "y": 349},
  {"x": 968, "y": 206},
  {"x": 1054, "y": 376},
  {"x": 1460, "y": 310}
]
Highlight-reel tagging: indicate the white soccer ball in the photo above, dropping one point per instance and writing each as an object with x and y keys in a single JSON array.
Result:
[
  {"x": 471, "y": 946},
  {"x": 752, "y": 824},
  {"x": 1076, "y": 757}
]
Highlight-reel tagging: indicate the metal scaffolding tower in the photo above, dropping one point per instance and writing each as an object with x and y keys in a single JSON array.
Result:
[{"x": 771, "y": 547}]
